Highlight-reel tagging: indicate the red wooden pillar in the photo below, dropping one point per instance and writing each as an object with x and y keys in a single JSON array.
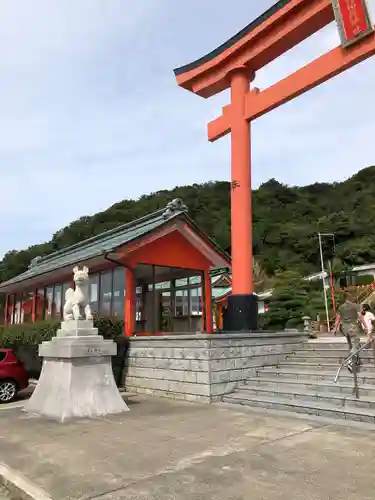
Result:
[
  {"x": 203, "y": 320},
  {"x": 129, "y": 302},
  {"x": 34, "y": 302},
  {"x": 6, "y": 309},
  {"x": 202, "y": 302},
  {"x": 219, "y": 325},
  {"x": 208, "y": 301}
]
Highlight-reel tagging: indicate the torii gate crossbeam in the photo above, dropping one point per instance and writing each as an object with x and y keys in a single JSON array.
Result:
[{"x": 234, "y": 65}]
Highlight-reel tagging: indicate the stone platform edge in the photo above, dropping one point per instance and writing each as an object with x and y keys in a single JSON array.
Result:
[
  {"x": 209, "y": 336},
  {"x": 19, "y": 486},
  {"x": 203, "y": 367}
]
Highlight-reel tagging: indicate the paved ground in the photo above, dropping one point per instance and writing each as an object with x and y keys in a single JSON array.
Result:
[
  {"x": 167, "y": 450},
  {"x": 4, "y": 495}
]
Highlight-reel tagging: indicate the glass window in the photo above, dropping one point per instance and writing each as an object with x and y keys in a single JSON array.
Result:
[
  {"x": 48, "y": 305},
  {"x": 65, "y": 287},
  {"x": 195, "y": 280},
  {"x": 140, "y": 309},
  {"x": 166, "y": 301},
  {"x": 181, "y": 282},
  {"x": 160, "y": 286},
  {"x": 185, "y": 303},
  {"x": 181, "y": 303},
  {"x": 17, "y": 310},
  {"x": 94, "y": 292},
  {"x": 196, "y": 301},
  {"x": 57, "y": 301},
  {"x": 105, "y": 298},
  {"x": 27, "y": 307},
  {"x": 39, "y": 307},
  {"x": 139, "y": 306},
  {"x": 118, "y": 301},
  {"x": 166, "y": 312}
]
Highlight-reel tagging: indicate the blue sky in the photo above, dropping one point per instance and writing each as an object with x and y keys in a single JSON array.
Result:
[{"x": 91, "y": 113}]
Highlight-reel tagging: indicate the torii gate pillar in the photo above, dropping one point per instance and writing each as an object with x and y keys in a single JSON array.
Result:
[
  {"x": 233, "y": 65},
  {"x": 242, "y": 310}
]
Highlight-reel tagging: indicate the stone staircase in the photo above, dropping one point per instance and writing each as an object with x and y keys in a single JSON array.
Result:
[{"x": 304, "y": 383}]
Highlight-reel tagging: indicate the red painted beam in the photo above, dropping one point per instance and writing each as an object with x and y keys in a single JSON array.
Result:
[
  {"x": 306, "y": 78},
  {"x": 285, "y": 29},
  {"x": 221, "y": 126},
  {"x": 310, "y": 76}
]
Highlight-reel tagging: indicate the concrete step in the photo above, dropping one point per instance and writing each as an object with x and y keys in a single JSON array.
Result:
[
  {"x": 327, "y": 347},
  {"x": 332, "y": 344},
  {"x": 290, "y": 372},
  {"x": 321, "y": 387},
  {"x": 335, "y": 399},
  {"x": 325, "y": 359},
  {"x": 309, "y": 366},
  {"x": 303, "y": 384},
  {"x": 329, "y": 353},
  {"x": 307, "y": 407}
]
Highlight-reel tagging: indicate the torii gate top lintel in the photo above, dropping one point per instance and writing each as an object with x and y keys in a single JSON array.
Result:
[
  {"x": 283, "y": 26},
  {"x": 280, "y": 28}
]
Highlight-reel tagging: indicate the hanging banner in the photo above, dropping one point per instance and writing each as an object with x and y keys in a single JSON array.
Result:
[{"x": 353, "y": 20}]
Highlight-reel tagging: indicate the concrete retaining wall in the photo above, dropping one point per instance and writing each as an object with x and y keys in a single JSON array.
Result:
[{"x": 203, "y": 367}]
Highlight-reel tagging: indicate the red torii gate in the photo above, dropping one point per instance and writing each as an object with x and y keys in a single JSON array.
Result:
[{"x": 234, "y": 65}]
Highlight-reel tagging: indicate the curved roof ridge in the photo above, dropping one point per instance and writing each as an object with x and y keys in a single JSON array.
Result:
[
  {"x": 104, "y": 235},
  {"x": 234, "y": 39}
]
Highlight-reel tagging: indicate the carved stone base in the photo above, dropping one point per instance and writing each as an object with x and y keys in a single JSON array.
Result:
[
  {"x": 77, "y": 328},
  {"x": 76, "y": 379}
]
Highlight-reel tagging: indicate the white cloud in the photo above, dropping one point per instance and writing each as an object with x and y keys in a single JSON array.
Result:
[{"x": 91, "y": 113}]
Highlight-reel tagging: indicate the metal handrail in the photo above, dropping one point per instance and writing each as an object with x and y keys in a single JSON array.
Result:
[{"x": 352, "y": 355}]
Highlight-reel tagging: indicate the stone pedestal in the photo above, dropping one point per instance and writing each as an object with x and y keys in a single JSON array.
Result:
[{"x": 76, "y": 379}]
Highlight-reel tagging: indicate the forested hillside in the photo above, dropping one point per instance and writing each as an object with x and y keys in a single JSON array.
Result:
[{"x": 286, "y": 222}]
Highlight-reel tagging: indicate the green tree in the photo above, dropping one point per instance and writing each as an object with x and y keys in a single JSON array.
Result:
[
  {"x": 286, "y": 221},
  {"x": 292, "y": 299}
]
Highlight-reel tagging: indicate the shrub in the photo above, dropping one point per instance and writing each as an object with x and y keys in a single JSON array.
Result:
[
  {"x": 27, "y": 334},
  {"x": 24, "y": 340},
  {"x": 110, "y": 327},
  {"x": 365, "y": 279},
  {"x": 36, "y": 333}
]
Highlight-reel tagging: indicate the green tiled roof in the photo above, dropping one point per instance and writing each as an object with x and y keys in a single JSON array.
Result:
[
  {"x": 219, "y": 271},
  {"x": 100, "y": 244},
  {"x": 220, "y": 291}
]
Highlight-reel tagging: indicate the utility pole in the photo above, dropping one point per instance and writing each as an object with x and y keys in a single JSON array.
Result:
[{"x": 320, "y": 235}]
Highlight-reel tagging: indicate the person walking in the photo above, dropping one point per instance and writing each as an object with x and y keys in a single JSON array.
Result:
[
  {"x": 347, "y": 320},
  {"x": 366, "y": 318}
]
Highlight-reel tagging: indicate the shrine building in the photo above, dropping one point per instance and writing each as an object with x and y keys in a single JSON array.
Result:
[{"x": 153, "y": 272}]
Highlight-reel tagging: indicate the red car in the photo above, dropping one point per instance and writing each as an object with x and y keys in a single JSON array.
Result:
[{"x": 13, "y": 376}]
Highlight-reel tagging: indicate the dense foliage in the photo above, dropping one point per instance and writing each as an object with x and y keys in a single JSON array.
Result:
[{"x": 286, "y": 222}]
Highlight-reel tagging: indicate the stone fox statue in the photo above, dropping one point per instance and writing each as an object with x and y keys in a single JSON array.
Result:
[{"x": 77, "y": 301}]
